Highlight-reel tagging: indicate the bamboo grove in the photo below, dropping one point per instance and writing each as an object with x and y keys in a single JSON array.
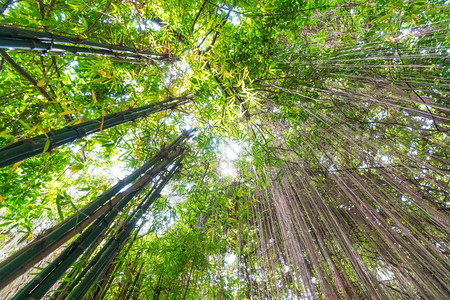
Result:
[{"x": 224, "y": 149}]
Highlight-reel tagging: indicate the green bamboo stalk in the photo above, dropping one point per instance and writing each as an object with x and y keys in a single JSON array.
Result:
[
  {"x": 66, "y": 286},
  {"x": 13, "y": 37},
  {"x": 104, "y": 258},
  {"x": 47, "y": 277},
  {"x": 24, "y": 259},
  {"x": 60, "y": 292},
  {"x": 42, "y": 247},
  {"x": 57, "y": 267},
  {"x": 21, "y": 150},
  {"x": 102, "y": 289},
  {"x": 93, "y": 261},
  {"x": 22, "y": 44},
  {"x": 83, "y": 272}
]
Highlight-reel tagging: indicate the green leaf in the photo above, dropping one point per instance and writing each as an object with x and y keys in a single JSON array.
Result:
[{"x": 47, "y": 145}]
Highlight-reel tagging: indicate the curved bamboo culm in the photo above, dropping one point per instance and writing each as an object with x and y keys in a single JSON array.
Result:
[
  {"x": 27, "y": 257},
  {"x": 24, "y": 149},
  {"x": 18, "y": 38}
]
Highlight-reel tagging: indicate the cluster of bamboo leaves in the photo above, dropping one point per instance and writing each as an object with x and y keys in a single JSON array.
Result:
[{"x": 341, "y": 189}]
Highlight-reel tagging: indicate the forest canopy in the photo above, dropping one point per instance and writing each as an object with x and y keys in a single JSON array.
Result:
[{"x": 272, "y": 149}]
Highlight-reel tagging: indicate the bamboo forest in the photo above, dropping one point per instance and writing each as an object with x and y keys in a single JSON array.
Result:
[{"x": 224, "y": 149}]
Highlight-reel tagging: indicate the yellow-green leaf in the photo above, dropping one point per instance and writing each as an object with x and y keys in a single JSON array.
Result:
[
  {"x": 390, "y": 39},
  {"x": 47, "y": 145},
  {"x": 5, "y": 134},
  {"x": 211, "y": 230},
  {"x": 382, "y": 18},
  {"x": 103, "y": 121},
  {"x": 27, "y": 126},
  {"x": 262, "y": 6},
  {"x": 41, "y": 130},
  {"x": 76, "y": 168},
  {"x": 40, "y": 83},
  {"x": 103, "y": 73},
  {"x": 15, "y": 166},
  {"x": 67, "y": 112}
]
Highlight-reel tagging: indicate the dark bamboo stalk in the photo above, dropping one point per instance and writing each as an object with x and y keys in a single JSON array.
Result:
[
  {"x": 24, "y": 149},
  {"x": 102, "y": 289},
  {"x": 22, "y": 44},
  {"x": 131, "y": 290},
  {"x": 47, "y": 277},
  {"x": 86, "y": 268},
  {"x": 110, "y": 249},
  {"x": 27, "y": 257},
  {"x": 18, "y": 38}
]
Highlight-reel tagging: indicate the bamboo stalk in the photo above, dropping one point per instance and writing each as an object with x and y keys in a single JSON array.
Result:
[
  {"x": 18, "y": 38},
  {"x": 24, "y": 149},
  {"x": 110, "y": 249},
  {"x": 103, "y": 218},
  {"x": 24, "y": 259}
]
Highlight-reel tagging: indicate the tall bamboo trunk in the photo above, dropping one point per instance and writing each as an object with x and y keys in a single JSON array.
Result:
[
  {"x": 40, "y": 284},
  {"x": 24, "y": 149},
  {"x": 110, "y": 249},
  {"x": 102, "y": 210},
  {"x": 18, "y": 38}
]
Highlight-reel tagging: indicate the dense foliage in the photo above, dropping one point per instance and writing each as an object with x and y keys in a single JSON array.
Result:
[{"x": 318, "y": 169}]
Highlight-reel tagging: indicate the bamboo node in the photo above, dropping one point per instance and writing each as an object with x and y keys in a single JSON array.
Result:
[{"x": 52, "y": 42}]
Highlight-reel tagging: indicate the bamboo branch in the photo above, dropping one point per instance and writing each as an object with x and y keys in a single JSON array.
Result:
[
  {"x": 88, "y": 30},
  {"x": 5, "y": 6},
  {"x": 27, "y": 76},
  {"x": 198, "y": 15}
]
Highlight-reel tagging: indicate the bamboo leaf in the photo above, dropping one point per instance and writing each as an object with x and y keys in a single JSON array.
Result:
[
  {"x": 382, "y": 18},
  {"x": 15, "y": 166},
  {"x": 58, "y": 207},
  {"x": 29, "y": 237},
  {"x": 389, "y": 39},
  {"x": 47, "y": 145},
  {"x": 102, "y": 122},
  {"x": 27, "y": 126},
  {"x": 41, "y": 83},
  {"x": 5, "y": 134},
  {"x": 67, "y": 113},
  {"x": 41, "y": 130},
  {"x": 101, "y": 72}
]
